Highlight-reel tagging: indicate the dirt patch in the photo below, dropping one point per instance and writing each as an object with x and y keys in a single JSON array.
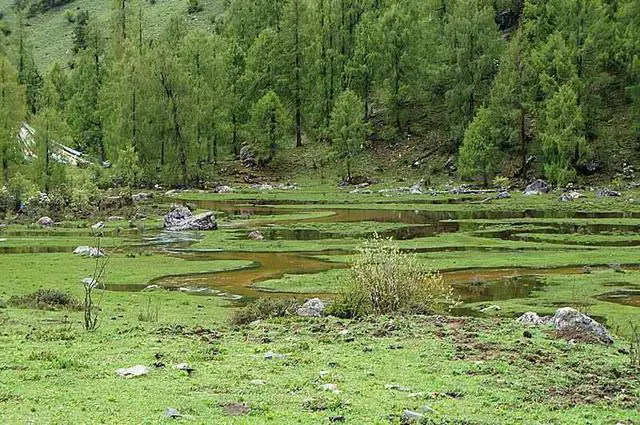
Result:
[
  {"x": 236, "y": 409},
  {"x": 613, "y": 387},
  {"x": 203, "y": 334}
]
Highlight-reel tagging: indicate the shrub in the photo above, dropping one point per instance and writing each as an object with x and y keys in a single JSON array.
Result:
[
  {"x": 263, "y": 308},
  {"x": 384, "y": 280},
  {"x": 502, "y": 182},
  {"x": 47, "y": 299},
  {"x": 150, "y": 313},
  {"x": 194, "y": 6}
]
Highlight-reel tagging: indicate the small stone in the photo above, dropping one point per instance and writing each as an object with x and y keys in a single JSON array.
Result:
[
  {"x": 236, "y": 409},
  {"x": 270, "y": 355},
  {"x": 531, "y": 318},
  {"x": 257, "y": 382},
  {"x": 336, "y": 419},
  {"x": 490, "y": 308},
  {"x": 324, "y": 373},
  {"x": 151, "y": 288},
  {"x": 170, "y": 412},
  {"x": 397, "y": 387},
  {"x": 311, "y": 308},
  {"x": 410, "y": 415},
  {"x": 503, "y": 195},
  {"x": 115, "y": 218},
  {"x": 256, "y": 235},
  {"x": 133, "y": 372},
  {"x": 184, "y": 367},
  {"x": 98, "y": 225},
  {"x": 527, "y": 334},
  {"x": 45, "y": 222},
  {"x": 330, "y": 387}
]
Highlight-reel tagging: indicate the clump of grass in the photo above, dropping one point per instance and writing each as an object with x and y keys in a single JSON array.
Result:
[
  {"x": 384, "y": 280},
  {"x": 264, "y": 308},
  {"x": 47, "y": 299},
  {"x": 150, "y": 313}
]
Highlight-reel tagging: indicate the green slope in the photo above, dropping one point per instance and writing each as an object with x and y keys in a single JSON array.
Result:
[{"x": 50, "y": 33}]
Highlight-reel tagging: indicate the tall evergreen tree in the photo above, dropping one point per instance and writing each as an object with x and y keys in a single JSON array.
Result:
[{"x": 12, "y": 110}]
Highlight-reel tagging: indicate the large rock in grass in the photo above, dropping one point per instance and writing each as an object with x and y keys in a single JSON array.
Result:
[
  {"x": 181, "y": 219},
  {"x": 537, "y": 187},
  {"x": 572, "y": 324},
  {"x": 88, "y": 251},
  {"x": 312, "y": 308},
  {"x": 532, "y": 318},
  {"x": 45, "y": 222}
]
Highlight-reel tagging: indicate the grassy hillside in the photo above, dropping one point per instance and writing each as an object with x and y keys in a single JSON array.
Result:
[{"x": 50, "y": 32}]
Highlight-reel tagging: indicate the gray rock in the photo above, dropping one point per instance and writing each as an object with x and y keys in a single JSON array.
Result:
[
  {"x": 172, "y": 413},
  {"x": 256, "y": 235},
  {"x": 571, "y": 322},
  {"x": 115, "y": 218},
  {"x": 571, "y": 196},
  {"x": 311, "y": 308},
  {"x": 151, "y": 288},
  {"x": 88, "y": 251},
  {"x": 503, "y": 195},
  {"x": 257, "y": 382},
  {"x": 531, "y": 318},
  {"x": 410, "y": 415},
  {"x": 222, "y": 189},
  {"x": 197, "y": 290},
  {"x": 270, "y": 355},
  {"x": 416, "y": 189},
  {"x": 490, "y": 308},
  {"x": 139, "y": 197},
  {"x": 397, "y": 387},
  {"x": 537, "y": 187},
  {"x": 45, "y": 222},
  {"x": 98, "y": 225},
  {"x": 608, "y": 193},
  {"x": 133, "y": 371},
  {"x": 181, "y": 219},
  {"x": 330, "y": 387}
]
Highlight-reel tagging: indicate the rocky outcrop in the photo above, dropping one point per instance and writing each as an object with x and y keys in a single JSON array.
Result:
[
  {"x": 575, "y": 325},
  {"x": 181, "y": 219},
  {"x": 537, "y": 187},
  {"x": 312, "y": 308}
]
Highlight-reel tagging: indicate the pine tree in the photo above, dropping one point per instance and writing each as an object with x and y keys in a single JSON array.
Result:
[
  {"x": 480, "y": 152},
  {"x": 562, "y": 135},
  {"x": 348, "y": 129},
  {"x": 269, "y": 127},
  {"x": 12, "y": 110}
]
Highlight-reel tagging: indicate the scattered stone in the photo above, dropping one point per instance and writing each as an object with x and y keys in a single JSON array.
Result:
[
  {"x": 184, "y": 367},
  {"x": 537, "y": 187},
  {"x": 616, "y": 267},
  {"x": 115, "y": 218},
  {"x": 270, "y": 355},
  {"x": 98, "y": 225},
  {"x": 336, "y": 419},
  {"x": 397, "y": 387},
  {"x": 196, "y": 290},
  {"x": 531, "y": 318},
  {"x": 88, "y": 251},
  {"x": 571, "y": 196},
  {"x": 222, "y": 189},
  {"x": 571, "y": 322},
  {"x": 324, "y": 373},
  {"x": 257, "y": 382},
  {"x": 139, "y": 197},
  {"x": 91, "y": 282},
  {"x": 172, "y": 413},
  {"x": 490, "y": 308},
  {"x": 236, "y": 409},
  {"x": 45, "y": 222},
  {"x": 311, "y": 308},
  {"x": 429, "y": 409},
  {"x": 416, "y": 189},
  {"x": 608, "y": 193},
  {"x": 586, "y": 270},
  {"x": 527, "y": 334},
  {"x": 256, "y": 235},
  {"x": 151, "y": 288},
  {"x": 503, "y": 195},
  {"x": 133, "y": 372},
  {"x": 330, "y": 387},
  {"x": 181, "y": 219},
  {"x": 410, "y": 415}
]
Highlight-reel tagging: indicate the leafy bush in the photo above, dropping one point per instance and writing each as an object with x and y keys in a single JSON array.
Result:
[
  {"x": 47, "y": 299},
  {"x": 263, "y": 308},
  {"x": 502, "y": 182},
  {"x": 150, "y": 313},
  {"x": 384, "y": 280}
]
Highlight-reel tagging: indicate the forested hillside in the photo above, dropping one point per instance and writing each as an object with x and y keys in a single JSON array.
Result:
[{"x": 164, "y": 90}]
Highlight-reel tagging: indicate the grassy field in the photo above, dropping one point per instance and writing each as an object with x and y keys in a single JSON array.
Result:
[
  {"x": 465, "y": 370},
  {"x": 50, "y": 33}
]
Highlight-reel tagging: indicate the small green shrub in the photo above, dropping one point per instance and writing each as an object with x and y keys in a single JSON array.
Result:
[
  {"x": 46, "y": 299},
  {"x": 194, "y": 6},
  {"x": 384, "y": 280},
  {"x": 502, "y": 182},
  {"x": 150, "y": 312},
  {"x": 263, "y": 308}
]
